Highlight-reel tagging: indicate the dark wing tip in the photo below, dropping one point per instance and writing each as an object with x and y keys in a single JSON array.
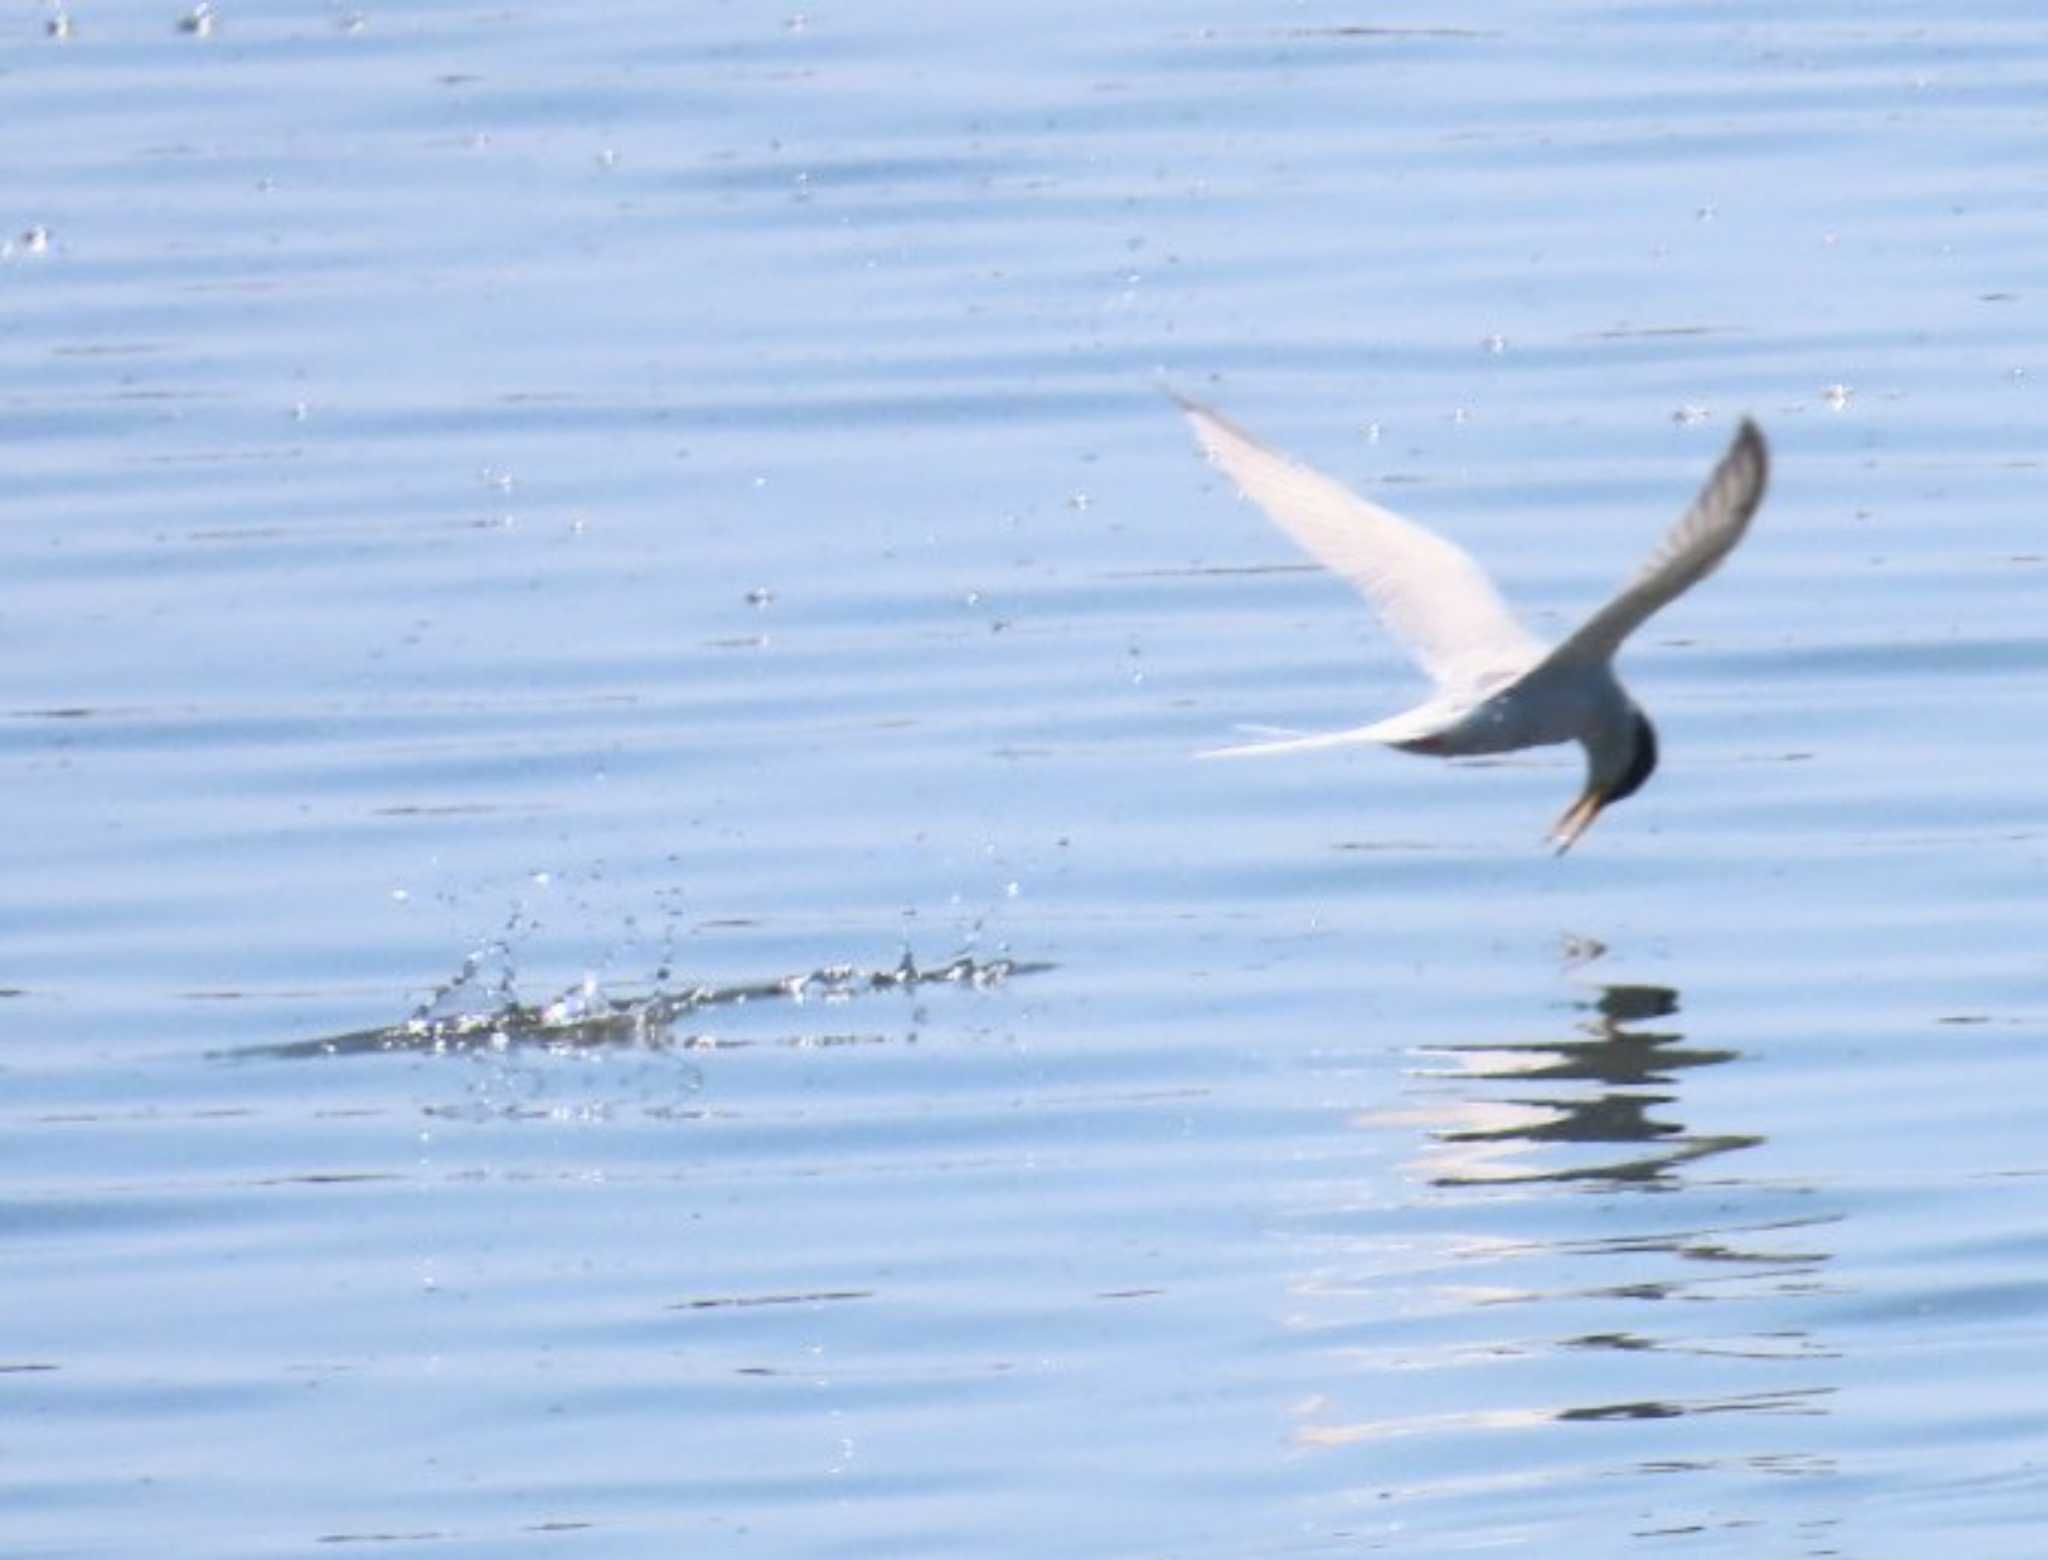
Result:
[
  {"x": 1744, "y": 472},
  {"x": 1750, "y": 440},
  {"x": 1207, "y": 419}
]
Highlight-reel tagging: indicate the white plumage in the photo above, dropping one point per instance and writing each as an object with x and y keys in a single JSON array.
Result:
[{"x": 1497, "y": 686}]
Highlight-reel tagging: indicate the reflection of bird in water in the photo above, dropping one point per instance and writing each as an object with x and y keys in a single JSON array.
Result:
[
  {"x": 1623, "y": 1062},
  {"x": 1498, "y": 687}
]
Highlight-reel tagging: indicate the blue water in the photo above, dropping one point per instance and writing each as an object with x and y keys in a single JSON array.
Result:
[{"x": 548, "y": 553}]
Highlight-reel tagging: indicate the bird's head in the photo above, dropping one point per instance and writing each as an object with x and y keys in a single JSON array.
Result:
[{"x": 1616, "y": 768}]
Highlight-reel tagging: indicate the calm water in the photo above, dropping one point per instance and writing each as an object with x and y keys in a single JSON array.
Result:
[{"x": 649, "y": 540}]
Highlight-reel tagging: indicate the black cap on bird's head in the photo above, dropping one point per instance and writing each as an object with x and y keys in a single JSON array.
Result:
[{"x": 1642, "y": 763}]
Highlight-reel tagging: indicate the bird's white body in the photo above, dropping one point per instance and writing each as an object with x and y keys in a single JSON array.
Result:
[
  {"x": 1535, "y": 706},
  {"x": 1498, "y": 688},
  {"x": 1546, "y": 704}
]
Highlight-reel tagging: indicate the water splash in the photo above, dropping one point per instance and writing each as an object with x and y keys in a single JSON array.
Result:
[{"x": 479, "y": 1008}]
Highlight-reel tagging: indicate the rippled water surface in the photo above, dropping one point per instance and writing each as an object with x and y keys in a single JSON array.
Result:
[{"x": 614, "y": 944}]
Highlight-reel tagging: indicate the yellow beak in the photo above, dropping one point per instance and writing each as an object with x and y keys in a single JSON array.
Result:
[{"x": 1578, "y": 818}]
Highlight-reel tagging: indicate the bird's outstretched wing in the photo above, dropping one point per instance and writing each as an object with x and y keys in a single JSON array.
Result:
[
  {"x": 1428, "y": 592},
  {"x": 1690, "y": 551}
]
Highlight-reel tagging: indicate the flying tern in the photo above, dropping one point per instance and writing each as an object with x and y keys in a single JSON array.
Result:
[{"x": 1497, "y": 687}]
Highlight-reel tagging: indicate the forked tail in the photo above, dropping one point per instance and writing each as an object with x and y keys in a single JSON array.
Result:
[{"x": 1327, "y": 739}]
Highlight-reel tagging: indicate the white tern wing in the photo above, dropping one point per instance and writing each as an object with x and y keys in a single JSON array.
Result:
[
  {"x": 1428, "y": 592},
  {"x": 1690, "y": 551}
]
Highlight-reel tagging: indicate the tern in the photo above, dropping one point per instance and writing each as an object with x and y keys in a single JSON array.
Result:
[{"x": 1498, "y": 688}]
